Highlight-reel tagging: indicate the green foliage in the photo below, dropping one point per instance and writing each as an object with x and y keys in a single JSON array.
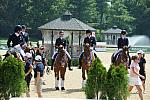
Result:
[
  {"x": 117, "y": 83},
  {"x": 0, "y": 58},
  {"x": 12, "y": 81},
  {"x": 96, "y": 80},
  {"x": 132, "y": 15},
  {"x": 119, "y": 16},
  {"x": 75, "y": 62},
  {"x": 84, "y": 10},
  {"x": 49, "y": 63}
]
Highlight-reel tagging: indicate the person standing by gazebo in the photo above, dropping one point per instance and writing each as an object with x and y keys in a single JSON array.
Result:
[{"x": 61, "y": 41}]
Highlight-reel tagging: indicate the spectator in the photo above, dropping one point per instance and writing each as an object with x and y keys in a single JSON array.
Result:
[
  {"x": 28, "y": 70},
  {"x": 38, "y": 75},
  {"x": 134, "y": 78},
  {"x": 142, "y": 63}
]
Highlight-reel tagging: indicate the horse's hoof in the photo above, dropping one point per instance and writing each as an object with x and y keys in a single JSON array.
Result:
[
  {"x": 70, "y": 69},
  {"x": 57, "y": 88},
  {"x": 44, "y": 83},
  {"x": 62, "y": 88},
  {"x": 79, "y": 67}
]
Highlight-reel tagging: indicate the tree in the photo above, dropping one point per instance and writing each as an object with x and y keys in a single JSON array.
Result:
[
  {"x": 140, "y": 10},
  {"x": 119, "y": 16},
  {"x": 102, "y": 8},
  {"x": 12, "y": 12},
  {"x": 84, "y": 10}
]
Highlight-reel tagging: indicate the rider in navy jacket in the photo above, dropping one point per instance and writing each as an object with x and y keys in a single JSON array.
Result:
[
  {"x": 122, "y": 41},
  {"x": 88, "y": 39},
  {"x": 61, "y": 41},
  {"x": 15, "y": 38}
]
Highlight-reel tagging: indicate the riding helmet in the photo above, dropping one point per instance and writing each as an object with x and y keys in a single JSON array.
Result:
[
  {"x": 18, "y": 28},
  {"x": 123, "y": 32}
]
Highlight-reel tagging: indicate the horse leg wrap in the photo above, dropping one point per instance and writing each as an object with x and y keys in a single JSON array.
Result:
[
  {"x": 83, "y": 83},
  {"x": 62, "y": 82},
  {"x": 56, "y": 82}
]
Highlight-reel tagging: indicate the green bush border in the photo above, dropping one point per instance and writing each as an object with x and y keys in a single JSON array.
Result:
[
  {"x": 12, "y": 82},
  {"x": 102, "y": 84}
]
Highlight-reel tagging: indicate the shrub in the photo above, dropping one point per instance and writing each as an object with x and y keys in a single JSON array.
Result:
[
  {"x": 117, "y": 83},
  {"x": 12, "y": 76},
  {"x": 49, "y": 63},
  {"x": 96, "y": 80},
  {"x": 75, "y": 62}
]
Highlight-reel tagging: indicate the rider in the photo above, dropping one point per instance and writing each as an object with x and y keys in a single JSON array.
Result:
[
  {"x": 61, "y": 41},
  {"x": 90, "y": 40},
  {"x": 123, "y": 41},
  {"x": 15, "y": 38},
  {"x": 24, "y": 34}
]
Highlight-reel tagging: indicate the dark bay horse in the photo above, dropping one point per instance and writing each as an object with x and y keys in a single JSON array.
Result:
[
  {"x": 86, "y": 61},
  {"x": 60, "y": 65},
  {"x": 121, "y": 57}
]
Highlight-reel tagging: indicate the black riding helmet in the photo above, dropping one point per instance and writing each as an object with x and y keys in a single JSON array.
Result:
[
  {"x": 88, "y": 31},
  {"x": 18, "y": 28},
  {"x": 123, "y": 32}
]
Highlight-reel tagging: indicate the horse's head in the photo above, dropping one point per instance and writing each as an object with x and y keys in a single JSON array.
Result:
[
  {"x": 121, "y": 56},
  {"x": 61, "y": 59},
  {"x": 125, "y": 55},
  {"x": 87, "y": 49},
  {"x": 61, "y": 50},
  {"x": 125, "y": 49}
]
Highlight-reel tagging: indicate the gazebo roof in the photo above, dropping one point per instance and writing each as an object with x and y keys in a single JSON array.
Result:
[
  {"x": 112, "y": 31},
  {"x": 66, "y": 22}
]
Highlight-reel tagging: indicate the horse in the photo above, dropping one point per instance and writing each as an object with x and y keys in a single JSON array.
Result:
[
  {"x": 86, "y": 61},
  {"x": 60, "y": 65},
  {"x": 121, "y": 57}
]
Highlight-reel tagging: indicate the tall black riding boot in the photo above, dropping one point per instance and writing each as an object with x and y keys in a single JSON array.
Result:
[
  {"x": 80, "y": 63},
  {"x": 69, "y": 64},
  {"x": 52, "y": 64}
]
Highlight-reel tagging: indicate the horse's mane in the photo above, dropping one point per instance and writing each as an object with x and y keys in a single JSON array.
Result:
[
  {"x": 61, "y": 56},
  {"x": 87, "y": 50}
]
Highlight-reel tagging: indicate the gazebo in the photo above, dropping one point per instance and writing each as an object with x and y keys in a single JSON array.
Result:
[
  {"x": 111, "y": 35},
  {"x": 74, "y": 32}
]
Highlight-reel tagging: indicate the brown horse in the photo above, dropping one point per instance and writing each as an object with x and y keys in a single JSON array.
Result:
[
  {"x": 60, "y": 65},
  {"x": 121, "y": 57},
  {"x": 86, "y": 61}
]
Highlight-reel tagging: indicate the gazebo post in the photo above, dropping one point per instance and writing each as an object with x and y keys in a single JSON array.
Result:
[
  {"x": 52, "y": 48},
  {"x": 79, "y": 42},
  {"x": 71, "y": 44}
]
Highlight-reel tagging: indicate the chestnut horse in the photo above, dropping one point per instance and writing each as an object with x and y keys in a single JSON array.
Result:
[
  {"x": 60, "y": 65},
  {"x": 121, "y": 57},
  {"x": 86, "y": 61}
]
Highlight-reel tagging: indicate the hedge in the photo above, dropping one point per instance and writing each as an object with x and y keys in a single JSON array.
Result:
[{"x": 12, "y": 83}]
